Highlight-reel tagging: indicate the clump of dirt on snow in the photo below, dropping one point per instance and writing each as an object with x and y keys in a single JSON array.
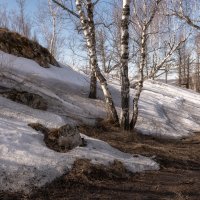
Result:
[{"x": 14, "y": 43}]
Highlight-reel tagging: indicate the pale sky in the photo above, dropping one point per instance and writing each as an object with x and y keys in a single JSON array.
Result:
[{"x": 31, "y": 5}]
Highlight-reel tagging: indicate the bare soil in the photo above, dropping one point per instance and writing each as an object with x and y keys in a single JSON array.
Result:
[{"x": 178, "y": 178}]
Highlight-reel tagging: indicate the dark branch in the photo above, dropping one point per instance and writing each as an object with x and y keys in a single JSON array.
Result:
[
  {"x": 96, "y": 2},
  {"x": 65, "y": 8},
  {"x": 187, "y": 20}
]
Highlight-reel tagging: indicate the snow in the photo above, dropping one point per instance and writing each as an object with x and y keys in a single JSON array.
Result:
[
  {"x": 22, "y": 113},
  {"x": 164, "y": 110},
  {"x": 168, "y": 111},
  {"x": 25, "y": 161}
]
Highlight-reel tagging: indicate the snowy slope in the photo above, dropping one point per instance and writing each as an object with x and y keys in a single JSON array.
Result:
[
  {"x": 25, "y": 161},
  {"x": 165, "y": 110},
  {"x": 168, "y": 110}
]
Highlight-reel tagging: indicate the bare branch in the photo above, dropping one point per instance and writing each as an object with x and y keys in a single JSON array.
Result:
[
  {"x": 67, "y": 9},
  {"x": 187, "y": 19},
  {"x": 97, "y": 1},
  {"x": 158, "y": 66}
]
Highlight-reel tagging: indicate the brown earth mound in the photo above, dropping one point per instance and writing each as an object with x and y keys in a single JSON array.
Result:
[{"x": 14, "y": 43}]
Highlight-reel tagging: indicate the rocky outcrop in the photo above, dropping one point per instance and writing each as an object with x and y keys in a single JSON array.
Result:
[{"x": 14, "y": 43}]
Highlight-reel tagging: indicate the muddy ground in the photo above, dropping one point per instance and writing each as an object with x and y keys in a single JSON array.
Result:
[{"x": 178, "y": 178}]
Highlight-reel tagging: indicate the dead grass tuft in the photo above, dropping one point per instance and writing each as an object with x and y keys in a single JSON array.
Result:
[
  {"x": 18, "y": 45},
  {"x": 84, "y": 171}
]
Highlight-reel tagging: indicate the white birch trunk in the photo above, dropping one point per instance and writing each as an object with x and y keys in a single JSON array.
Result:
[
  {"x": 53, "y": 36},
  {"x": 124, "y": 65},
  {"x": 143, "y": 56},
  {"x": 141, "y": 79},
  {"x": 89, "y": 33},
  {"x": 52, "y": 42},
  {"x": 93, "y": 84}
]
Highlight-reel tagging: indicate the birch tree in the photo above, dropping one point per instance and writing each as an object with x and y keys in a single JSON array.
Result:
[
  {"x": 101, "y": 49},
  {"x": 172, "y": 48},
  {"x": 180, "y": 8},
  {"x": 143, "y": 21},
  {"x": 4, "y": 17},
  {"x": 19, "y": 21},
  {"x": 71, "y": 12},
  {"x": 124, "y": 65},
  {"x": 49, "y": 24},
  {"x": 53, "y": 13},
  {"x": 196, "y": 78},
  {"x": 88, "y": 27}
]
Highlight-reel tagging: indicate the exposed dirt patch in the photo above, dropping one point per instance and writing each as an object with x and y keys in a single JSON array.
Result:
[
  {"x": 87, "y": 172},
  {"x": 14, "y": 43},
  {"x": 30, "y": 99},
  {"x": 177, "y": 179},
  {"x": 183, "y": 154}
]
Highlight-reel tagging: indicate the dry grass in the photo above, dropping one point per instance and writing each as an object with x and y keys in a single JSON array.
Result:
[
  {"x": 16, "y": 44},
  {"x": 168, "y": 152}
]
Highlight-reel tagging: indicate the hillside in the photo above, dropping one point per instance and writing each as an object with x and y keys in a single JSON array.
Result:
[
  {"x": 99, "y": 100},
  {"x": 26, "y": 161},
  {"x": 165, "y": 112}
]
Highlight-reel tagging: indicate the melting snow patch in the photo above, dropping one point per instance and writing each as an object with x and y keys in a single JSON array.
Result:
[{"x": 25, "y": 161}]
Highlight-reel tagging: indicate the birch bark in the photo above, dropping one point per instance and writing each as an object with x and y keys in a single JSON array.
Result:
[
  {"x": 124, "y": 65},
  {"x": 88, "y": 27},
  {"x": 53, "y": 36},
  {"x": 141, "y": 79},
  {"x": 143, "y": 55}
]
